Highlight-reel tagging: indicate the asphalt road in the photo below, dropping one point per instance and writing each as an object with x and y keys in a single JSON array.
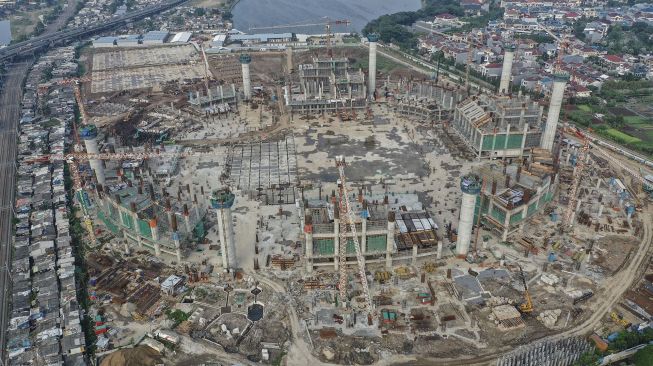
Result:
[{"x": 10, "y": 98}]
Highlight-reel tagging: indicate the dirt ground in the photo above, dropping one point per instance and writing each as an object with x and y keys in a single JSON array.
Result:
[
  {"x": 138, "y": 356},
  {"x": 616, "y": 249}
]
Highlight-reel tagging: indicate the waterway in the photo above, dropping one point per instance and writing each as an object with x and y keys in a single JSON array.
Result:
[{"x": 248, "y": 14}]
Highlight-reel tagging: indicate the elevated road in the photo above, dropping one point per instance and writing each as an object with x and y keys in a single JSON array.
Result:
[{"x": 62, "y": 37}]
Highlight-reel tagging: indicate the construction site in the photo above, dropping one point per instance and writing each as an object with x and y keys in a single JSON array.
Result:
[{"x": 260, "y": 207}]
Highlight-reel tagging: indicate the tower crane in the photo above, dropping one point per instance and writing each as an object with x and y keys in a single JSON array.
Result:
[
  {"x": 347, "y": 217},
  {"x": 326, "y": 24}
]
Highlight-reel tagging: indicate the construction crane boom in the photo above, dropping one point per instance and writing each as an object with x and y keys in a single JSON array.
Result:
[
  {"x": 348, "y": 221},
  {"x": 527, "y": 305},
  {"x": 578, "y": 173}
]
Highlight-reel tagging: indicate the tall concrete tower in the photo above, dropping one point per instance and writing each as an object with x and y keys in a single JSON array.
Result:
[
  {"x": 89, "y": 133},
  {"x": 557, "y": 93},
  {"x": 245, "y": 60},
  {"x": 471, "y": 186},
  {"x": 289, "y": 65},
  {"x": 222, "y": 201},
  {"x": 506, "y": 72},
  {"x": 371, "y": 77}
]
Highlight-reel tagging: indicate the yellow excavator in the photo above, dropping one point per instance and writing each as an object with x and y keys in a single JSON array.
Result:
[{"x": 527, "y": 306}]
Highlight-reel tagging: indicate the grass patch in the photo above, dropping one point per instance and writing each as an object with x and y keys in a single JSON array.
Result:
[
  {"x": 584, "y": 108},
  {"x": 383, "y": 64},
  {"x": 622, "y": 137},
  {"x": 637, "y": 120}
]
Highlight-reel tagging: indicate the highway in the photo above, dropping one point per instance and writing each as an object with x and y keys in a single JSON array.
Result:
[
  {"x": 59, "y": 38},
  {"x": 10, "y": 98}
]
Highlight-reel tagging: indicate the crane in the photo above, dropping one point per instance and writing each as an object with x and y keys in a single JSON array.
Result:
[
  {"x": 527, "y": 306},
  {"x": 206, "y": 70},
  {"x": 347, "y": 217},
  {"x": 580, "y": 165},
  {"x": 575, "y": 183},
  {"x": 326, "y": 24},
  {"x": 563, "y": 44}
]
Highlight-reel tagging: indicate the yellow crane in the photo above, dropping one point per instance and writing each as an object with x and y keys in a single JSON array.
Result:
[{"x": 527, "y": 306}]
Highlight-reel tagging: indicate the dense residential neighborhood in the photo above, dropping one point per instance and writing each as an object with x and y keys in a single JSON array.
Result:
[{"x": 548, "y": 36}]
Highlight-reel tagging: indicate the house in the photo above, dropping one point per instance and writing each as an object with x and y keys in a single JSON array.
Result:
[
  {"x": 490, "y": 70},
  {"x": 529, "y": 83},
  {"x": 612, "y": 60},
  {"x": 580, "y": 91},
  {"x": 571, "y": 16},
  {"x": 511, "y": 14},
  {"x": 614, "y": 17}
]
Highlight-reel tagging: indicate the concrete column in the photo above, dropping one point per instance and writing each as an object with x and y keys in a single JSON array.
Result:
[
  {"x": 245, "y": 60},
  {"x": 471, "y": 187},
  {"x": 600, "y": 211},
  {"x": 189, "y": 229},
  {"x": 364, "y": 236},
  {"x": 229, "y": 230},
  {"x": 175, "y": 237},
  {"x": 308, "y": 242},
  {"x": 390, "y": 240},
  {"x": 506, "y": 71},
  {"x": 414, "y": 255},
  {"x": 336, "y": 239},
  {"x": 222, "y": 201},
  {"x": 137, "y": 228},
  {"x": 289, "y": 65},
  {"x": 89, "y": 134},
  {"x": 223, "y": 239},
  {"x": 557, "y": 94},
  {"x": 372, "y": 38},
  {"x": 439, "y": 252}
]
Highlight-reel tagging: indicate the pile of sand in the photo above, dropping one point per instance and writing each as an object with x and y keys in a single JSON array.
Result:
[{"x": 137, "y": 356}]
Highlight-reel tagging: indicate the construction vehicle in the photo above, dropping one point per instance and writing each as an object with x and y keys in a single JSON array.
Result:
[
  {"x": 619, "y": 319},
  {"x": 527, "y": 306},
  {"x": 347, "y": 224}
]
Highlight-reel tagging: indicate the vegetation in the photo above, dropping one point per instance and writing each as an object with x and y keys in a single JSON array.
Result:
[
  {"x": 590, "y": 358},
  {"x": 626, "y": 339},
  {"x": 495, "y": 12},
  {"x": 177, "y": 316},
  {"x": 644, "y": 357},
  {"x": 538, "y": 37},
  {"x": 392, "y": 28},
  {"x": 635, "y": 39}
]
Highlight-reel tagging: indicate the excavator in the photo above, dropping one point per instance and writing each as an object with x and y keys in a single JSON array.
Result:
[{"x": 527, "y": 306}]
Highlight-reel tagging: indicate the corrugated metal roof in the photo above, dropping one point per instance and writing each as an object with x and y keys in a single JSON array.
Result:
[{"x": 263, "y": 37}]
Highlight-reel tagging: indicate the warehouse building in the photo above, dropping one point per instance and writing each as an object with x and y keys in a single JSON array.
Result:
[{"x": 154, "y": 37}]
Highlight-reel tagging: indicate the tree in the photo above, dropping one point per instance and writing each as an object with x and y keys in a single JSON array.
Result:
[
  {"x": 199, "y": 12},
  {"x": 590, "y": 358},
  {"x": 644, "y": 357},
  {"x": 616, "y": 121}
]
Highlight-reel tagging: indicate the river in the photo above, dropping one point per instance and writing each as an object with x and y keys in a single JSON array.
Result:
[{"x": 265, "y": 13}]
